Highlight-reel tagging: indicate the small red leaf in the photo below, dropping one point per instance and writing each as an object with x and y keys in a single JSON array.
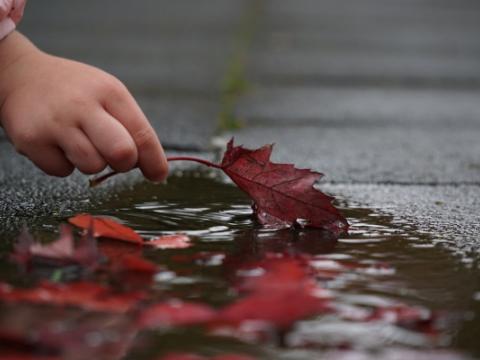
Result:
[
  {"x": 177, "y": 241},
  {"x": 134, "y": 263},
  {"x": 277, "y": 274},
  {"x": 283, "y": 194},
  {"x": 280, "y": 308},
  {"x": 115, "y": 249},
  {"x": 281, "y": 292},
  {"x": 175, "y": 313},
  {"x": 105, "y": 227}
]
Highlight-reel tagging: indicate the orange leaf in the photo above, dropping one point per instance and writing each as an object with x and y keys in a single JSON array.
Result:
[{"x": 105, "y": 227}]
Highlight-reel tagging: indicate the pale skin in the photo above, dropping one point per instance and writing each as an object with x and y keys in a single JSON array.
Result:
[{"x": 63, "y": 115}]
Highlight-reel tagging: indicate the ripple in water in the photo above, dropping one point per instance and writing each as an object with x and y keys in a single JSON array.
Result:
[{"x": 375, "y": 266}]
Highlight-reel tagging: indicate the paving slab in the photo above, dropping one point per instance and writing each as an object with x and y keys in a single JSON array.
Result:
[
  {"x": 360, "y": 106},
  {"x": 411, "y": 39},
  {"x": 315, "y": 66},
  {"x": 412, "y": 42}
]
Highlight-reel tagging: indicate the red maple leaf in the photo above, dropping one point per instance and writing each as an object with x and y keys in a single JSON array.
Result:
[
  {"x": 105, "y": 227},
  {"x": 277, "y": 274},
  {"x": 283, "y": 195},
  {"x": 281, "y": 291},
  {"x": 280, "y": 308},
  {"x": 134, "y": 263}
]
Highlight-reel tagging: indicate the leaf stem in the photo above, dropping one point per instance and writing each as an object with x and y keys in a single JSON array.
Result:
[
  {"x": 98, "y": 180},
  {"x": 190, "y": 158}
]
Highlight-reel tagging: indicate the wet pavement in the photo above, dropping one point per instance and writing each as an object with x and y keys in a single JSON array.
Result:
[{"x": 367, "y": 275}]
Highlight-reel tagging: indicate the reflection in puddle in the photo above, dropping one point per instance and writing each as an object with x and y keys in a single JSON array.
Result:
[{"x": 391, "y": 293}]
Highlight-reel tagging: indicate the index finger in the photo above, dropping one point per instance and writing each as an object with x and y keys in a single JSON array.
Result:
[{"x": 151, "y": 157}]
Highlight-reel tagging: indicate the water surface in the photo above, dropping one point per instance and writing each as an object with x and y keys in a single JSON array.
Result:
[{"x": 376, "y": 265}]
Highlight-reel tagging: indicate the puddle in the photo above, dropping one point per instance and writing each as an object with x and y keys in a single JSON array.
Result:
[{"x": 375, "y": 267}]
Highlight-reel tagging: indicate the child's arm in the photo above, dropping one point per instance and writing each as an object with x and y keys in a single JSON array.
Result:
[{"x": 62, "y": 115}]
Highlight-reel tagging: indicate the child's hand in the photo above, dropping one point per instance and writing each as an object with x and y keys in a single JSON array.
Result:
[{"x": 63, "y": 115}]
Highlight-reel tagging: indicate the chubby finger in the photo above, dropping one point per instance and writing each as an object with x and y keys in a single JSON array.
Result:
[
  {"x": 112, "y": 141},
  {"x": 17, "y": 11},
  {"x": 81, "y": 153},
  {"x": 151, "y": 157},
  {"x": 51, "y": 160}
]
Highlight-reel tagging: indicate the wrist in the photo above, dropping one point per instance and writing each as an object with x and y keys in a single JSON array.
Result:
[{"x": 13, "y": 49}]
